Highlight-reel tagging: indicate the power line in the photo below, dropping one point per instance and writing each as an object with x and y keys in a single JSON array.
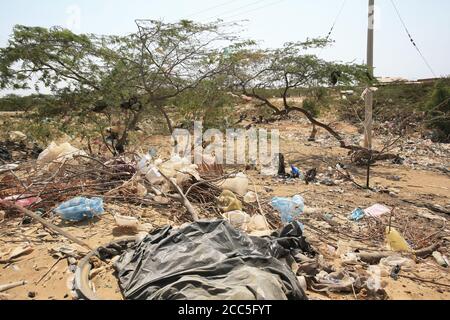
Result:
[
  {"x": 334, "y": 25},
  {"x": 236, "y": 9},
  {"x": 255, "y": 9},
  {"x": 412, "y": 40},
  {"x": 336, "y": 19},
  {"x": 211, "y": 8}
]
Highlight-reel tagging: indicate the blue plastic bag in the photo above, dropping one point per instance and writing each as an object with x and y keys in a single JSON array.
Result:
[
  {"x": 289, "y": 208},
  {"x": 80, "y": 208},
  {"x": 295, "y": 172},
  {"x": 357, "y": 214}
]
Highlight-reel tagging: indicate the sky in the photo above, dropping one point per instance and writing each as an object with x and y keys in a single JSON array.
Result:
[{"x": 272, "y": 22}]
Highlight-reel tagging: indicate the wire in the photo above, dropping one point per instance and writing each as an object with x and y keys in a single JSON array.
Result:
[
  {"x": 336, "y": 20},
  {"x": 211, "y": 8},
  {"x": 334, "y": 25},
  {"x": 256, "y": 9},
  {"x": 236, "y": 9},
  {"x": 412, "y": 40}
]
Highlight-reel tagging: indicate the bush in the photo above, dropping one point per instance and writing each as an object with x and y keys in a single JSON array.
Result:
[
  {"x": 311, "y": 106},
  {"x": 437, "y": 108}
]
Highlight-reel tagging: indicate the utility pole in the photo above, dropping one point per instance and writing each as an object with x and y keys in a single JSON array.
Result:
[{"x": 369, "y": 94}]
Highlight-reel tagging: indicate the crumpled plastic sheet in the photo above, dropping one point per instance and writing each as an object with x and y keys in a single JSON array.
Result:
[
  {"x": 357, "y": 214},
  {"x": 80, "y": 208},
  {"x": 209, "y": 260},
  {"x": 289, "y": 208}
]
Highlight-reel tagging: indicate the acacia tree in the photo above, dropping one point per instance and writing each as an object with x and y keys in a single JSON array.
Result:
[
  {"x": 290, "y": 68},
  {"x": 175, "y": 58},
  {"x": 83, "y": 68},
  {"x": 131, "y": 74}
]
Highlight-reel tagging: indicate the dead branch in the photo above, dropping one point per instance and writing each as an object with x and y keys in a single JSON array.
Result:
[{"x": 47, "y": 224}]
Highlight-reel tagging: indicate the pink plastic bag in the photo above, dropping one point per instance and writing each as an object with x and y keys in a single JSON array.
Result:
[{"x": 23, "y": 202}]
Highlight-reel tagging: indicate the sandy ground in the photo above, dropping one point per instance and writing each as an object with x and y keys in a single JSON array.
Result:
[{"x": 414, "y": 182}]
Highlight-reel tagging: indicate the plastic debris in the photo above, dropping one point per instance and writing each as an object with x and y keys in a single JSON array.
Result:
[
  {"x": 397, "y": 260},
  {"x": 26, "y": 202},
  {"x": 130, "y": 223},
  {"x": 17, "y": 136},
  {"x": 228, "y": 202},
  {"x": 238, "y": 219},
  {"x": 250, "y": 197},
  {"x": 395, "y": 241},
  {"x": 395, "y": 272},
  {"x": 80, "y": 208},
  {"x": 211, "y": 260},
  {"x": 440, "y": 259},
  {"x": 59, "y": 153},
  {"x": 357, "y": 214},
  {"x": 180, "y": 169},
  {"x": 302, "y": 281},
  {"x": 8, "y": 286},
  {"x": 295, "y": 172},
  {"x": 377, "y": 210},
  {"x": 238, "y": 184},
  {"x": 8, "y": 167},
  {"x": 310, "y": 175},
  {"x": 334, "y": 282},
  {"x": 289, "y": 208},
  {"x": 258, "y": 226},
  {"x": 373, "y": 283},
  {"x": 20, "y": 251}
]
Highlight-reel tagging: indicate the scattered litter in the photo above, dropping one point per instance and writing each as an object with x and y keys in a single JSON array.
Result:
[
  {"x": 289, "y": 208},
  {"x": 228, "y": 202},
  {"x": 237, "y": 184},
  {"x": 130, "y": 223},
  {"x": 395, "y": 241},
  {"x": 295, "y": 173},
  {"x": 238, "y": 219},
  {"x": 59, "y": 153},
  {"x": 303, "y": 284},
  {"x": 176, "y": 272},
  {"x": 396, "y": 260},
  {"x": 395, "y": 272},
  {"x": 13, "y": 285},
  {"x": 80, "y": 208},
  {"x": 17, "y": 136},
  {"x": 8, "y": 167},
  {"x": 328, "y": 182},
  {"x": 334, "y": 282},
  {"x": 20, "y": 251},
  {"x": 24, "y": 200},
  {"x": 258, "y": 226},
  {"x": 250, "y": 197},
  {"x": 440, "y": 259},
  {"x": 377, "y": 210},
  {"x": 310, "y": 175},
  {"x": 357, "y": 214}
]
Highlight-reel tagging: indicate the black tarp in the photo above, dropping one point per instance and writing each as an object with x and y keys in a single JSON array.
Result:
[{"x": 212, "y": 260}]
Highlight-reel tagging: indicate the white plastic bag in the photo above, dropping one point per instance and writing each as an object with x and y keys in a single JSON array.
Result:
[
  {"x": 237, "y": 184},
  {"x": 59, "y": 153}
]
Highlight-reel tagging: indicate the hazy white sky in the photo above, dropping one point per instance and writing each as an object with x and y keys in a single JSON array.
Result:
[{"x": 271, "y": 21}]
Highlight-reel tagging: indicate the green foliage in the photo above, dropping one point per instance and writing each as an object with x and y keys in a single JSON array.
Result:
[
  {"x": 208, "y": 103},
  {"x": 291, "y": 70},
  {"x": 311, "y": 106},
  {"x": 437, "y": 108}
]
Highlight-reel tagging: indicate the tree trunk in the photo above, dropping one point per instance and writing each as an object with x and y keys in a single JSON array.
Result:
[
  {"x": 312, "y": 137},
  {"x": 130, "y": 126},
  {"x": 166, "y": 116}
]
